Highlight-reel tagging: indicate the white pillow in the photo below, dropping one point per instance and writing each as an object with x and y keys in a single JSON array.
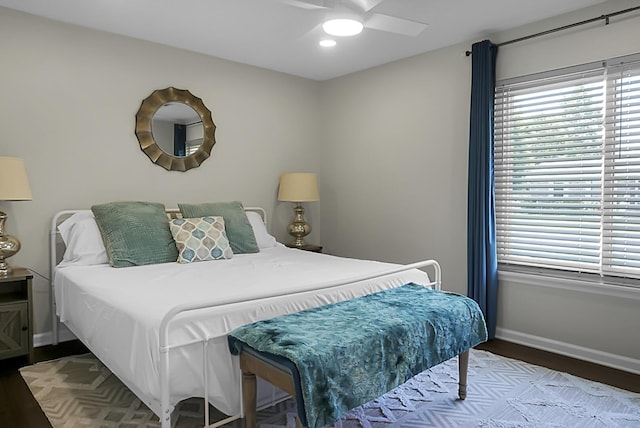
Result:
[
  {"x": 83, "y": 240},
  {"x": 263, "y": 238}
]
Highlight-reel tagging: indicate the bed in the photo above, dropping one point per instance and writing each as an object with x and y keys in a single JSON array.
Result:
[{"x": 162, "y": 328}]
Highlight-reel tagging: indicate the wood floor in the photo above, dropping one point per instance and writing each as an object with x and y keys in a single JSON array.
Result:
[{"x": 18, "y": 408}]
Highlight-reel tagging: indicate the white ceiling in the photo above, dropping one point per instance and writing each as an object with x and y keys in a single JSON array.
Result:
[{"x": 275, "y": 35}]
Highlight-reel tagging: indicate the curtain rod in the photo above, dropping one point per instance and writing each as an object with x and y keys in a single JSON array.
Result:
[{"x": 566, "y": 27}]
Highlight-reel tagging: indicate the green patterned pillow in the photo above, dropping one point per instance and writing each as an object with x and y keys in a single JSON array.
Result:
[
  {"x": 239, "y": 230},
  {"x": 200, "y": 239},
  {"x": 135, "y": 233}
]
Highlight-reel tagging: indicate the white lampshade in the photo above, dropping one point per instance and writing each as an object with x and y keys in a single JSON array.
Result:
[
  {"x": 298, "y": 187},
  {"x": 14, "y": 183}
]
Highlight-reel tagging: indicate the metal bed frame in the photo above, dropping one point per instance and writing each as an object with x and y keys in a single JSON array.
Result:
[{"x": 164, "y": 343}]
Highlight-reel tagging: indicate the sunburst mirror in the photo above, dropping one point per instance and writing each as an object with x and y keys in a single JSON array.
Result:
[{"x": 175, "y": 129}]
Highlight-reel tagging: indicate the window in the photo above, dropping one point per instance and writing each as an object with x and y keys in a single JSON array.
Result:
[{"x": 567, "y": 169}]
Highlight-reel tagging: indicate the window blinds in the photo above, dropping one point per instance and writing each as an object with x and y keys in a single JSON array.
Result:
[
  {"x": 621, "y": 198},
  {"x": 567, "y": 170}
]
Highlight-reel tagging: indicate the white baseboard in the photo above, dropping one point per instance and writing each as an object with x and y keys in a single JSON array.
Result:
[
  {"x": 587, "y": 354},
  {"x": 42, "y": 339}
]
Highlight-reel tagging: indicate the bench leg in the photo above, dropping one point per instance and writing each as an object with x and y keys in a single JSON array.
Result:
[
  {"x": 249, "y": 391},
  {"x": 463, "y": 365}
]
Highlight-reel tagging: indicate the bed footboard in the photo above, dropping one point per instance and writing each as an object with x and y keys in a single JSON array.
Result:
[{"x": 165, "y": 345}]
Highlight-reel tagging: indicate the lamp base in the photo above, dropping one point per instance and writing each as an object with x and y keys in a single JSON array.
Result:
[
  {"x": 5, "y": 269},
  {"x": 9, "y": 245},
  {"x": 299, "y": 228}
]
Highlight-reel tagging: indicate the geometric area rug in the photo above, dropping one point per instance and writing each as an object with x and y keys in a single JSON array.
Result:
[{"x": 80, "y": 391}]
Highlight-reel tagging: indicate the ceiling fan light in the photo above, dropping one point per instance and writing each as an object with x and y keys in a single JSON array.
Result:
[
  {"x": 342, "y": 27},
  {"x": 327, "y": 43}
]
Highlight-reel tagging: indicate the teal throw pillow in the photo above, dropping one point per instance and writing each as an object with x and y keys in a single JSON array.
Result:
[
  {"x": 135, "y": 233},
  {"x": 236, "y": 223},
  {"x": 200, "y": 239}
]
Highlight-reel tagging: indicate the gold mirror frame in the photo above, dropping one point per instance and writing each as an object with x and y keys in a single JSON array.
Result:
[{"x": 148, "y": 144}]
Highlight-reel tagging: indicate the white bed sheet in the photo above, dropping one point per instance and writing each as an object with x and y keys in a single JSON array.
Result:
[{"x": 117, "y": 312}]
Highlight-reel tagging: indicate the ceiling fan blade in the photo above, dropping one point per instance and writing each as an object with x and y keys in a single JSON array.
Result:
[
  {"x": 306, "y": 4},
  {"x": 391, "y": 24},
  {"x": 366, "y": 5}
]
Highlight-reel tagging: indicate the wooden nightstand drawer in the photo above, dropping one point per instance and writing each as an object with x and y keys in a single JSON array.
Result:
[
  {"x": 14, "y": 329},
  {"x": 16, "y": 314}
]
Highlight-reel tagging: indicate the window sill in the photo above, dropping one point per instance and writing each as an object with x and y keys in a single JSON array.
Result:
[{"x": 570, "y": 284}]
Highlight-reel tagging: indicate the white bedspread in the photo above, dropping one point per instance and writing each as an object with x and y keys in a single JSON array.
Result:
[{"x": 117, "y": 312}]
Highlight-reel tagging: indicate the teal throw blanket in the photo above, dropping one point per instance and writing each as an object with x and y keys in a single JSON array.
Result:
[{"x": 348, "y": 353}]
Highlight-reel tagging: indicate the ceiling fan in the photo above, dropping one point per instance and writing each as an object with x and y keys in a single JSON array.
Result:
[{"x": 360, "y": 12}]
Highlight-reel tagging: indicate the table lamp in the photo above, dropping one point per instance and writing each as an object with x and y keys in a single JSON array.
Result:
[
  {"x": 14, "y": 186},
  {"x": 298, "y": 187}
]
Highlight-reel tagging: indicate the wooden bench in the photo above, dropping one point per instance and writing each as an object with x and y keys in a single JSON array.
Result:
[
  {"x": 336, "y": 357},
  {"x": 253, "y": 365}
]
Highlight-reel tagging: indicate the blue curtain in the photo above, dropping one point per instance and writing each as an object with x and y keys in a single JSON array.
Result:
[
  {"x": 482, "y": 264},
  {"x": 179, "y": 139}
]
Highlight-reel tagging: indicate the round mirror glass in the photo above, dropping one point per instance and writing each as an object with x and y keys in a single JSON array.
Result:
[{"x": 175, "y": 129}]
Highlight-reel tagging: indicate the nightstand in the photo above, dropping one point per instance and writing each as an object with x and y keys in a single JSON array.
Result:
[
  {"x": 16, "y": 314},
  {"x": 308, "y": 247}
]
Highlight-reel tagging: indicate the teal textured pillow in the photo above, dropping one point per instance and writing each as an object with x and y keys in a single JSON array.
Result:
[
  {"x": 236, "y": 223},
  {"x": 135, "y": 233},
  {"x": 200, "y": 239}
]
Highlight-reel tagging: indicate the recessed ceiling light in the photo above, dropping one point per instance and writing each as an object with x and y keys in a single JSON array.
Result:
[
  {"x": 327, "y": 43},
  {"x": 342, "y": 27}
]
